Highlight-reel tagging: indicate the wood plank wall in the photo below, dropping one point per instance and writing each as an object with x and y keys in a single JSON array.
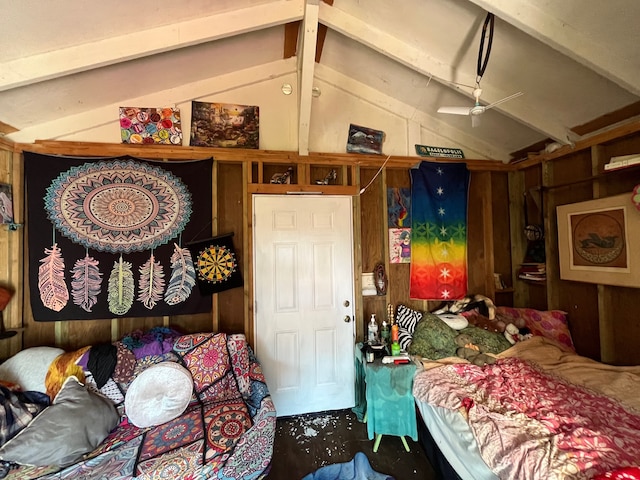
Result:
[
  {"x": 237, "y": 174},
  {"x": 603, "y": 319}
]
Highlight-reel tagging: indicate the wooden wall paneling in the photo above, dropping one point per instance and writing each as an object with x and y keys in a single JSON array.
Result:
[
  {"x": 476, "y": 255},
  {"x": 231, "y": 210},
  {"x": 518, "y": 240},
  {"x": 578, "y": 299},
  {"x": 371, "y": 238},
  {"x": 11, "y": 240},
  {"x": 357, "y": 261},
  {"x": 623, "y": 309},
  {"x": 501, "y": 239}
]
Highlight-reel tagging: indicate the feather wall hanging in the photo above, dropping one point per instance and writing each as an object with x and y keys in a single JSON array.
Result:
[
  {"x": 124, "y": 212},
  {"x": 183, "y": 276},
  {"x": 86, "y": 282},
  {"x": 53, "y": 289},
  {"x": 151, "y": 283},
  {"x": 121, "y": 290}
]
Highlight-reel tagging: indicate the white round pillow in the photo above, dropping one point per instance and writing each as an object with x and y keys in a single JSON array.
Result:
[
  {"x": 159, "y": 394},
  {"x": 457, "y": 322},
  {"x": 28, "y": 368}
]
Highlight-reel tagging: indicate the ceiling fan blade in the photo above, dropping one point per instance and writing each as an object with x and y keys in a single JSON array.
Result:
[
  {"x": 510, "y": 97},
  {"x": 475, "y": 120},
  {"x": 455, "y": 110}
]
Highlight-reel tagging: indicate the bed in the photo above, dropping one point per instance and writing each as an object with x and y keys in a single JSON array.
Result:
[
  {"x": 539, "y": 412},
  {"x": 153, "y": 405}
]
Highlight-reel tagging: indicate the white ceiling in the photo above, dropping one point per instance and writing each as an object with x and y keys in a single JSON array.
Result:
[{"x": 575, "y": 60}]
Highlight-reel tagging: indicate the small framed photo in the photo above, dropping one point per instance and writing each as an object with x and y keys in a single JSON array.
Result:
[{"x": 6, "y": 203}]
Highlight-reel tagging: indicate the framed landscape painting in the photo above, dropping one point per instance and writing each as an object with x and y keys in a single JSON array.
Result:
[{"x": 597, "y": 241}]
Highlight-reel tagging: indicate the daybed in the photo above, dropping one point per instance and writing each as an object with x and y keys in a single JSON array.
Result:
[
  {"x": 539, "y": 412},
  {"x": 124, "y": 410}
]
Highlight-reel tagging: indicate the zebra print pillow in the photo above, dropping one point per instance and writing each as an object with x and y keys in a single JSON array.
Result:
[{"x": 407, "y": 318}]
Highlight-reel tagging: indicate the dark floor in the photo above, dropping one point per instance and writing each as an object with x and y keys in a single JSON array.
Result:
[{"x": 307, "y": 442}]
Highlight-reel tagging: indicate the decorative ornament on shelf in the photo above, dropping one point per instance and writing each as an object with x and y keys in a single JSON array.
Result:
[
  {"x": 282, "y": 178},
  {"x": 380, "y": 278},
  {"x": 331, "y": 177}
]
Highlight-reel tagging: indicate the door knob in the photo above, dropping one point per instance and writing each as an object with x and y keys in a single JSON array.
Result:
[{"x": 347, "y": 319}]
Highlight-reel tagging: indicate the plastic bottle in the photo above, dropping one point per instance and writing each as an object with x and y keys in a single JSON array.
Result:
[
  {"x": 372, "y": 336},
  {"x": 384, "y": 332},
  {"x": 395, "y": 332},
  {"x": 395, "y": 349}
]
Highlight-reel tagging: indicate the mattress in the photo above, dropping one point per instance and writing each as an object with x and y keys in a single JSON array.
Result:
[{"x": 454, "y": 438}]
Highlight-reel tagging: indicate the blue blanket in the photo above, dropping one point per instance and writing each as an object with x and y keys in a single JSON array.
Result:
[{"x": 356, "y": 469}]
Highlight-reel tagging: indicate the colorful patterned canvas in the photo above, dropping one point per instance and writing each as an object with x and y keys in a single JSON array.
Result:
[
  {"x": 150, "y": 125},
  {"x": 224, "y": 125}
]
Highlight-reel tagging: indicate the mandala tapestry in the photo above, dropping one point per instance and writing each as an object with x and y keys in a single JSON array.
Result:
[
  {"x": 107, "y": 236},
  {"x": 216, "y": 264}
]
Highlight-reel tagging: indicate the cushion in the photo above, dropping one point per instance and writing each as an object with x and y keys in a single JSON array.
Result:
[
  {"x": 29, "y": 367},
  {"x": 75, "y": 424},
  {"x": 407, "y": 318},
  {"x": 552, "y": 324},
  {"x": 158, "y": 395},
  {"x": 457, "y": 322},
  {"x": 433, "y": 338},
  {"x": 404, "y": 338}
]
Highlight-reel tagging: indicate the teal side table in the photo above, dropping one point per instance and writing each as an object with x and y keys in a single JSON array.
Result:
[{"x": 390, "y": 407}]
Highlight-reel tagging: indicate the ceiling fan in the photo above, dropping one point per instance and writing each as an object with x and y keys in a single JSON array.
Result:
[{"x": 477, "y": 109}]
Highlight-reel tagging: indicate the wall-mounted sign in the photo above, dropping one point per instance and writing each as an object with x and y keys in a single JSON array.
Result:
[{"x": 427, "y": 151}]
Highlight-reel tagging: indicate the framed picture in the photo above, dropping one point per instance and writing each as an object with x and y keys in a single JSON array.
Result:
[
  {"x": 596, "y": 241},
  {"x": 6, "y": 203}
]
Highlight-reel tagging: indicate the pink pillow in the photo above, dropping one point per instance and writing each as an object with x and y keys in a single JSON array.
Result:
[{"x": 550, "y": 323}]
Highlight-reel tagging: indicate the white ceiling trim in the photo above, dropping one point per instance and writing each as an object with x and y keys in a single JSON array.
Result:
[
  {"x": 66, "y": 61},
  {"x": 307, "y": 62},
  {"x": 562, "y": 37},
  {"x": 108, "y": 114},
  {"x": 409, "y": 113},
  {"x": 419, "y": 61}
]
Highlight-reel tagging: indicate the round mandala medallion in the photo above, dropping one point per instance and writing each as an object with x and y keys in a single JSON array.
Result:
[
  {"x": 118, "y": 206},
  {"x": 216, "y": 264}
]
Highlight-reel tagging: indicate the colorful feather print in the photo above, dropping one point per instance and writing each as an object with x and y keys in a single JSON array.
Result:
[
  {"x": 151, "y": 283},
  {"x": 86, "y": 282},
  {"x": 53, "y": 289},
  {"x": 121, "y": 289},
  {"x": 183, "y": 276}
]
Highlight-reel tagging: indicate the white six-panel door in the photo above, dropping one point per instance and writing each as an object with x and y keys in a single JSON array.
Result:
[{"x": 303, "y": 284}]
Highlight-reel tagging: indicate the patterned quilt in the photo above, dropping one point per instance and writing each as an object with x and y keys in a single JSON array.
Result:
[
  {"x": 226, "y": 432},
  {"x": 530, "y": 424}
]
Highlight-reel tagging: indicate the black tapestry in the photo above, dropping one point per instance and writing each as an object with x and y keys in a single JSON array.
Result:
[
  {"x": 216, "y": 264},
  {"x": 107, "y": 236}
]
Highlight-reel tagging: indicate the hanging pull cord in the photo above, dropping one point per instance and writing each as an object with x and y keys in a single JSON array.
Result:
[{"x": 483, "y": 57}]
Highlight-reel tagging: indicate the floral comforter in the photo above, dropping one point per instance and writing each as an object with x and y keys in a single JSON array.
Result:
[
  {"x": 530, "y": 424},
  {"x": 226, "y": 432}
]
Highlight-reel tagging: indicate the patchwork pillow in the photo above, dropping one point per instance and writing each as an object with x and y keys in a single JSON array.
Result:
[
  {"x": 29, "y": 367},
  {"x": 552, "y": 324},
  {"x": 75, "y": 424},
  {"x": 433, "y": 338},
  {"x": 407, "y": 318},
  {"x": 159, "y": 394}
]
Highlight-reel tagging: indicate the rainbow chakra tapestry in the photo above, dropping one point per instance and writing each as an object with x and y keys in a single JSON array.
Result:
[
  {"x": 107, "y": 237},
  {"x": 439, "y": 231}
]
